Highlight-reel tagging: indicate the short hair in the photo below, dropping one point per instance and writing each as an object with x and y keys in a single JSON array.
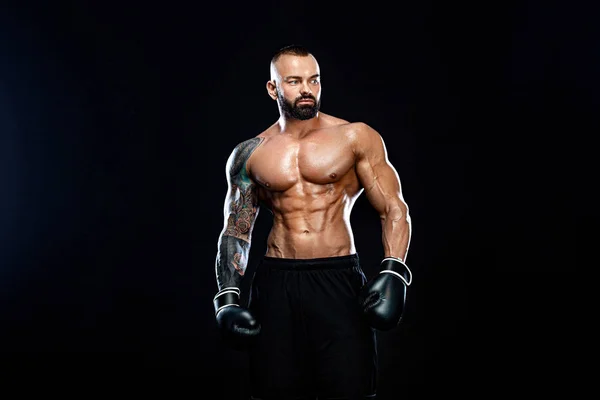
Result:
[{"x": 292, "y": 49}]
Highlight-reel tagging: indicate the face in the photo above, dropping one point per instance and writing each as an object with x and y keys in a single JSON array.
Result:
[{"x": 296, "y": 85}]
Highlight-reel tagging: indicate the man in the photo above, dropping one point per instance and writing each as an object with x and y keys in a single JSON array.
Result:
[{"x": 311, "y": 320}]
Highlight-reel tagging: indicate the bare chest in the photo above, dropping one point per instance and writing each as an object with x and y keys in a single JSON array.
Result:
[{"x": 282, "y": 162}]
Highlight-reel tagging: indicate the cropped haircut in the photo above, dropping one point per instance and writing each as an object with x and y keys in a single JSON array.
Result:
[{"x": 293, "y": 49}]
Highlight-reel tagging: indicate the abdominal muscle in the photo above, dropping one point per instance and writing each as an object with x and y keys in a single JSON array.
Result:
[{"x": 310, "y": 229}]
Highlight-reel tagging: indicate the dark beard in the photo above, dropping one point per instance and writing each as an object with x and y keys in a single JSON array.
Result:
[{"x": 302, "y": 112}]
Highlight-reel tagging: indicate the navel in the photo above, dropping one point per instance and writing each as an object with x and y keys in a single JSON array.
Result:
[{"x": 305, "y": 231}]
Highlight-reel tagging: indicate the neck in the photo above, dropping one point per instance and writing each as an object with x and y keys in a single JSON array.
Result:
[{"x": 296, "y": 127}]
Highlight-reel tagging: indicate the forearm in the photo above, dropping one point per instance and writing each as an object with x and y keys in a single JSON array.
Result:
[
  {"x": 231, "y": 261},
  {"x": 396, "y": 232}
]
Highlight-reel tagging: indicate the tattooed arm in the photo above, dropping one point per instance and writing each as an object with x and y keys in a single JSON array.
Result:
[{"x": 240, "y": 212}]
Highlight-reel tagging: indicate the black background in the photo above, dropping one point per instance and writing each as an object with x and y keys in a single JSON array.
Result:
[{"x": 116, "y": 120}]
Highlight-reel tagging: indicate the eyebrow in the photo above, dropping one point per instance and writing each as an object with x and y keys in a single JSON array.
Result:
[{"x": 299, "y": 77}]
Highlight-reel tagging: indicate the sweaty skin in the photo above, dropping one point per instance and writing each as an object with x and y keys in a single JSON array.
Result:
[
  {"x": 309, "y": 174},
  {"x": 311, "y": 183}
]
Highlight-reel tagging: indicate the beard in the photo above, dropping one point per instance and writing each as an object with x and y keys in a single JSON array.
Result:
[{"x": 300, "y": 112}]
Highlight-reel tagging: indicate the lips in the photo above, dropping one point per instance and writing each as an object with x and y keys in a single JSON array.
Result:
[{"x": 306, "y": 101}]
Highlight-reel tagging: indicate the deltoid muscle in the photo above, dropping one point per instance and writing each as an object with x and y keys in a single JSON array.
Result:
[{"x": 234, "y": 243}]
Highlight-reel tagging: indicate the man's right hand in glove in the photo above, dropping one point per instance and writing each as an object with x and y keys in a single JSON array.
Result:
[{"x": 237, "y": 324}]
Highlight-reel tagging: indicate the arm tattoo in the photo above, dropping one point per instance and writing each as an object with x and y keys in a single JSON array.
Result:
[
  {"x": 242, "y": 212},
  {"x": 231, "y": 261},
  {"x": 242, "y": 208}
]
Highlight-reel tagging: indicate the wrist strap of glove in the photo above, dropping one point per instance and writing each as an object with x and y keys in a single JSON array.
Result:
[
  {"x": 226, "y": 297},
  {"x": 395, "y": 266}
]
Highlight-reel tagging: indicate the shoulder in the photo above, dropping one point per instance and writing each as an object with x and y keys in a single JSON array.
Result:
[
  {"x": 241, "y": 152},
  {"x": 247, "y": 146},
  {"x": 362, "y": 136},
  {"x": 353, "y": 130},
  {"x": 363, "y": 130}
]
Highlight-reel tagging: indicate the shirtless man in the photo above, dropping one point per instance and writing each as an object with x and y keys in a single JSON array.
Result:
[{"x": 311, "y": 319}]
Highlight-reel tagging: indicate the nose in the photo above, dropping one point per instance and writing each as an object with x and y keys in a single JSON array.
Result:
[{"x": 305, "y": 90}]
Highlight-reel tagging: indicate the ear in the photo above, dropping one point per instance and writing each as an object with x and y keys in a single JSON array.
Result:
[{"x": 272, "y": 89}]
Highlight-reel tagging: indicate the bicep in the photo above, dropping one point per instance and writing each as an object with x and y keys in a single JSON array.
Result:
[
  {"x": 241, "y": 201},
  {"x": 378, "y": 177},
  {"x": 240, "y": 209}
]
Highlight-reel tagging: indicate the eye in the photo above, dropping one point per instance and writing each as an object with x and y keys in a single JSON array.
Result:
[{"x": 292, "y": 82}]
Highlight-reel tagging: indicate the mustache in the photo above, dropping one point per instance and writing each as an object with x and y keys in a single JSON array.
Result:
[{"x": 306, "y": 98}]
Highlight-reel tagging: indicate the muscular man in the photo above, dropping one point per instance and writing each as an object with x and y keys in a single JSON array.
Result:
[{"x": 311, "y": 319}]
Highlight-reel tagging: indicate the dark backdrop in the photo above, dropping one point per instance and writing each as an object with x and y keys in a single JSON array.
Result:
[{"x": 116, "y": 120}]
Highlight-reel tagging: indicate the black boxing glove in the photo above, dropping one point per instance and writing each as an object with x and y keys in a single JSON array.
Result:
[
  {"x": 383, "y": 298},
  {"x": 236, "y": 324}
]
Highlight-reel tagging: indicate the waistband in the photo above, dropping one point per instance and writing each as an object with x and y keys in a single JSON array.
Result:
[{"x": 336, "y": 262}]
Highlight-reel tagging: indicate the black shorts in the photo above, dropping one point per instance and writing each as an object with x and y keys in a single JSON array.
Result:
[{"x": 313, "y": 341}]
